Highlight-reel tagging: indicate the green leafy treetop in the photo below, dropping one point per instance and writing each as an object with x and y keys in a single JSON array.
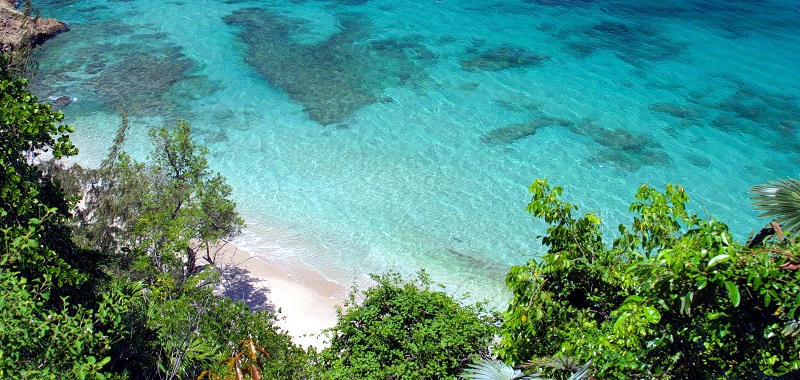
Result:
[
  {"x": 405, "y": 330},
  {"x": 29, "y": 129},
  {"x": 674, "y": 296},
  {"x": 44, "y": 334},
  {"x": 188, "y": 206},
  {"x": 169, "y": 209}
]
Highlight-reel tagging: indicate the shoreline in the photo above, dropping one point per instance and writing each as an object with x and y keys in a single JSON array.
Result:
[{"x": 303, "y": 300}]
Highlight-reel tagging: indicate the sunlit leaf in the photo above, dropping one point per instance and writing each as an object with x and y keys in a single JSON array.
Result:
[
  {"x": 652, "y": 315},
  {"x": 733, "y": 293},
  {"x": 717, "y": 260}
]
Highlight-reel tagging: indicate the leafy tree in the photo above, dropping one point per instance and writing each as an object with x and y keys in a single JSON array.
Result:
[
  {"x": 189, "y": 207},
  {"x": 46, "y": 339},
  {"x": 154, "y": 217},
  {"x": 179, "y": 333},
  {"x": 169, "y": 209},
  {"x": 405, "y": 330},
  {"x": 51, "y": 322},
  {"x": 143, "y": 308},
  {"x": 27, "y": 130},
  {"x": 674, "y": 296}
]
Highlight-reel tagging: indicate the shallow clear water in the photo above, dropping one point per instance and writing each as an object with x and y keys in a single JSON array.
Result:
[{"x": 368, "y": 135}]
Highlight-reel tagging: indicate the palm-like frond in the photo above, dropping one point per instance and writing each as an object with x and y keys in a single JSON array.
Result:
[
  {"x": 581, "y": 372},
  {"x": 779, "y": 200},
  {"x": 495, "y": 370}
]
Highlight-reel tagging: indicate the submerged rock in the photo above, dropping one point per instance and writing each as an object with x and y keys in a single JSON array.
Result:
[
  {"x": 144, "y": 83},
  {"x": 622, "y": 148},
  {"x": 514, "y": 132},
  {"x": 61, "y": 101},
  {"x": 683, "y": 112},
  {"x": 503, "y": 58}
]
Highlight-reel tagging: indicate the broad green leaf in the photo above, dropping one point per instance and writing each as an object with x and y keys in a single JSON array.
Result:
[
  {"x": 633, "y": 298},
  {"x": 683, "y": 306},
  {"x": 620, "y": 320},
  {"x": 652, "y": 315},
  {"x": 733, "y": 293},
  {"x": 702, "y": 281},
  {"x": 718, "y": 259}
]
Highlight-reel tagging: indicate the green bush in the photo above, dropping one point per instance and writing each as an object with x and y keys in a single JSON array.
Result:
[
  {"x": 405, "y": 330},
  {"x": 52, "y": 324},
  {"x": 674, "y": 296}
]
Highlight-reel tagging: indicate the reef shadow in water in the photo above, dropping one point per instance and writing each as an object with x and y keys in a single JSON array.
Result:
[
  {"x": 140, "y": 74},
  {"x": 510, "y": 133},
  {"x": 736, "y": 18},
  {"x": 771, "y": 117},
  {"x": 636, "y": 45},
  {"x": 622, "y": 148},
  {"x": 502, "y": 58},
  {"x": 560, "y": 3},
  {"x": 333, "y": 78}
]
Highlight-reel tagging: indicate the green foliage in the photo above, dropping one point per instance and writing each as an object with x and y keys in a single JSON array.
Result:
[
  {"x": 230, "y": 322},
  {"x": 405, "y": 330},
  {"x": 178, "y": 333},
  {"x": 576, "y": 289},
  {"x": 30, "y": 202},
  {"x": 45, "y": 332},
  {"x": 166, "y": 210},
  {"x": 189, "y": 203},
  {"x": 67, "y": 342},
  {"x": 142, "y": 310},
  {"x": 674, "y": 296},
  {"x": 153, "y": 218}
]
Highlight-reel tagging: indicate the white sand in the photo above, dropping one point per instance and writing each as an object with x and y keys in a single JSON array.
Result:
[{"x": 304, "y": 300}]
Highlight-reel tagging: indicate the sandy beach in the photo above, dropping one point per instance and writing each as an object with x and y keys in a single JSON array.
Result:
[{"x": 304, "y": 300}]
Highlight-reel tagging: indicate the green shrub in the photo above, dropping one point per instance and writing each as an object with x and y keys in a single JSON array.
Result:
[
  {"x": 674, "y": 296},
  {"x": 405, "y": 330},
  {"x": 52, "y": 324}
]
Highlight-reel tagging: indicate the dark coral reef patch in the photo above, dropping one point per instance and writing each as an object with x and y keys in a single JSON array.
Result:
[
  {"x": 637, "y": 45},
  {"x": 141, "y": 74},
  {"x": 622, "y": 148},
  {"x": 333, "y": 78},
  {"x": 503, "y": 58},
  {"x": 513, "y": 132},
  {"x": 734, "y": 106},
  {"x": 618, "y": 147}
]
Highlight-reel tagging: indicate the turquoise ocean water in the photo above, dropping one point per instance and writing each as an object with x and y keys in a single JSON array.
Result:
[{"x": 367, "y": 135}]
